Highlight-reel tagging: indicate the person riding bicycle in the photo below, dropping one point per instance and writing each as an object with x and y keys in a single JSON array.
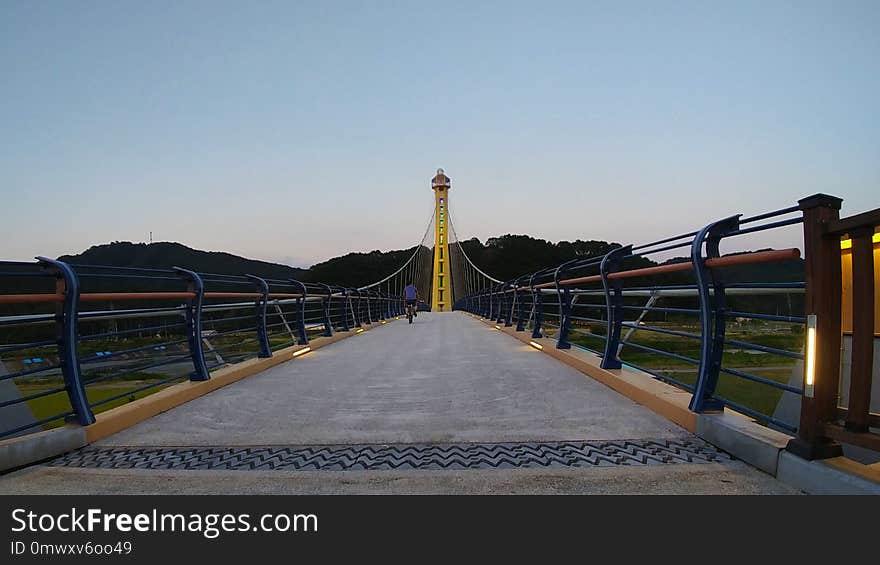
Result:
[{"x": 411, "y": 294}]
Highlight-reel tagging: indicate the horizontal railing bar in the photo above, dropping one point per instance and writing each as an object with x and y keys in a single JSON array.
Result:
[
  {"x": 773, "y": 214},
  {"x": 667, "y": 240},
  {"x": 762, "y": 227},
  {"x": 40, "y": 394},
  {"x": 131, "y": 331},
  {"x": 661, "y": 376},
  {"x": 95, "y": 357},
  {"x": 871, "y": 218},
  {"x": 762, "y": 380},
  {"x": 714, "y": 263},
  {"x": 769, "y": 317},
  {"x": 764, "y": 348},
  {"x": 754, "y": 413},
  {"x": 661, "y": 330},
  {"x": 136, "y": 390},
  {"x": 588, "y": 334},
  {"x": 28, "y": 372},
  {"x": 661, "y": 352},
  {"x": 129, "y": 371},
  {"x": 20, "y": 346},
  {"x": 663, "y": 309},
  {"x": 224, "y": 320},
  {"x": 115, "y": 268},
  {"x": 13, "y": 431},
  {"x": 128, "y": 277}
]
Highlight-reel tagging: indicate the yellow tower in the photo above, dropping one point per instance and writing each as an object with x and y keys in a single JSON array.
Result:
[{"x": 441, "y": 282}]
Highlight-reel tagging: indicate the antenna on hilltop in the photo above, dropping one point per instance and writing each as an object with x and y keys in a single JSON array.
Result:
[{"x": 151, "y": 238}]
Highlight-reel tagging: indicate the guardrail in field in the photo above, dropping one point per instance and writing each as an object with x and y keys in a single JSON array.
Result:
[
  {"x": 168, "y": 325},
  {"x": 595, "y": 302}
]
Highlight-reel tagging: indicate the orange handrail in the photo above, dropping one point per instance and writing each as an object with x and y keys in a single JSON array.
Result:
[
  {"x": 106, "y": 296},
  {"x": 30, "y": 298},
  {"x": 46, "y": 297},
  {"x": 713, "y": 263}
]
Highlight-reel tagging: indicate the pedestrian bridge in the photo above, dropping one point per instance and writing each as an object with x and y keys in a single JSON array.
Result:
[
  {"x": 394, "y": 416},
  {"x": 630, "y": 370}
]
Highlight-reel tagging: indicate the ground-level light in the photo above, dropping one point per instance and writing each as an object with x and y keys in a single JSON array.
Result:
[{"x": 302, "y": 351}]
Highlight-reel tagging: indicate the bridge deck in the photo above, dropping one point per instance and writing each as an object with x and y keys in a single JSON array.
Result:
[{"x": 447, "y": 379}]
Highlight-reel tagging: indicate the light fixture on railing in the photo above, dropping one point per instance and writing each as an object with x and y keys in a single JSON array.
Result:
[
  {"x": 497, "y": 327},
  {"x": 536, "y": 345},
  {"x": 359, "y": 330},
  {"x": 847, "y": 243},
  {"x": 810, "y": 357},
  {"x": 302, "y": 351}
]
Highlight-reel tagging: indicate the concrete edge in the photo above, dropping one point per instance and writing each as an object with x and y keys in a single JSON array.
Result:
[
  {"x": 21, "y": 451},
  {"x": 25, "y": 450},
  {"x": 743, "y": 438},
  {"x": 830, "y": 476},
  {"x": 735, "y": 433}
]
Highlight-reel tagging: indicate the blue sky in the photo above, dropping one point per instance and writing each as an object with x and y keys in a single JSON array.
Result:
[{"x": 296, "y": 131}]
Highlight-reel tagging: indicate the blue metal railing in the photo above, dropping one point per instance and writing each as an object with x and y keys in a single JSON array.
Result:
[
  {"x": 77, "y": 339},
  {"x": 595, "y": 303}
]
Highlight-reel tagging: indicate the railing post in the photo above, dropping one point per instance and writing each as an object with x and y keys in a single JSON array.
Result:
[
  {"x": 489, "y": 303},
  {"x": 713, "y": 308},
  {"x": 508, "y": 312},
  {"x": 194, "y": 324},
  {"x": 564, "y": 295},
  {"x": 613, "y": 305},
  {"x": 300, "y": 304},
  {"x": 262, "y": 333},
  {"x": 325, "y": 308},
  {"x": 346, "y": 302},
  {"x": 380, "y": 305},
  {"x": 355, "y": 310},
  {"x": 823, "y": 300},
  {"x": 538, "y": 302},
  {"x": 369, "y": 315},
  {"x": 857, "y": 416},
  {"x": 66, "y": 334},
  {"x": 520, "y": 318}
]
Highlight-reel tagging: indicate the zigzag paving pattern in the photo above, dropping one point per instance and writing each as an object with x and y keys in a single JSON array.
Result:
[{"x": 405, "y": 457}]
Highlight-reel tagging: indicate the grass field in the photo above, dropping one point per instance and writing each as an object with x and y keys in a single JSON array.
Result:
[{"x": 757, "y": 396}]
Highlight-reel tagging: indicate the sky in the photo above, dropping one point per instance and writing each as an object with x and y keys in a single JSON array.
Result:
[{"x": 297, "y": 131}]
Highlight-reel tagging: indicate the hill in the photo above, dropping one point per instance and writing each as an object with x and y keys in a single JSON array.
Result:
[
  {"x": 504, "y": 257},
  {"x": 165, "y": 255}
]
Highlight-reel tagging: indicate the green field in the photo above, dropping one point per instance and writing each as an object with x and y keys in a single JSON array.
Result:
[{"x": 757, "y": 396}]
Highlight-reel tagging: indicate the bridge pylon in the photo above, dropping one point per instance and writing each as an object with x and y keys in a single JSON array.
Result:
[{"x": 441, "y": 293}]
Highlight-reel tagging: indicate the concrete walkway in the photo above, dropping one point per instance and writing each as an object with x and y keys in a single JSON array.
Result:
[{"x": 445, "y": 379}]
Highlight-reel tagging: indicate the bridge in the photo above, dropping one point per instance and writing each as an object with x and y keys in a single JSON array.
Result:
[{"x": 665, "y": 366}]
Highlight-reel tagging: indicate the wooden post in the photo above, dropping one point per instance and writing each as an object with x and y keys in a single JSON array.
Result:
[
  {"x": 823, "y": 298},
  {"x": 862, "y": 330}
]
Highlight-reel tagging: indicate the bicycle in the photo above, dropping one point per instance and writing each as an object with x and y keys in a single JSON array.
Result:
[{"x": 411, "y": 310}]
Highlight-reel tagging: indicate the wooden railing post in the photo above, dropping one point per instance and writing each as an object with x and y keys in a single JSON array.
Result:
[
  {"x": 861, "y": 368},
  {"x": 822, "y": 299}
]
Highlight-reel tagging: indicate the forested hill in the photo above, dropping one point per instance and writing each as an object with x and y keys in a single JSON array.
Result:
[
  {"x": 502, "y": 257},
  {"x": 166, "y": 255}
]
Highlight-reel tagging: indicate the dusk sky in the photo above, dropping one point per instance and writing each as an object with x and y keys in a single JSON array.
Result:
[{"x": 297, "y": 131}]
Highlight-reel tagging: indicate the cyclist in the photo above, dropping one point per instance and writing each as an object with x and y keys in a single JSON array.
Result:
[{"x": 411, "y": 294}]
